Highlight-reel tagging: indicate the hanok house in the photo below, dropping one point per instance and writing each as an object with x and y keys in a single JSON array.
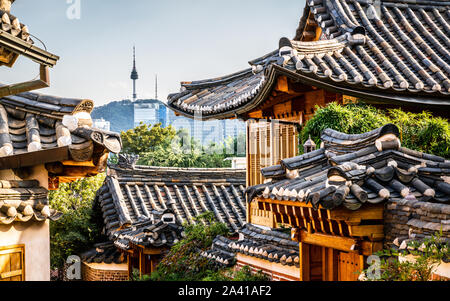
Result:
[
  {"x": 42, "y": 144},
  {"x": 144, "y": 208},
  {"x": 343, "y": 202},
  {"x": 391, "y": 53},
  {"x": 44, "y": 140}
]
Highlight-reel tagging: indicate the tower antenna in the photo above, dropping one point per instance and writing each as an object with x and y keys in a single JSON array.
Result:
[
  {"x": 134, "y": 74},
  {"x": 156, "y": 86}
]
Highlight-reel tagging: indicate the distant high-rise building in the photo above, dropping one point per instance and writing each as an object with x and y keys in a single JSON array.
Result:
[
  {"x": 207, "y": 132},
  {"x": 150, "y": 112},
  {"x": 102, "y": 124},
  {"x": 134, "y": 74}
]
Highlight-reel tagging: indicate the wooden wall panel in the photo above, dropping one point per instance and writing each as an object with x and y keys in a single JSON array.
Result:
[
  {"x": 268, "y": 144},
  {"x": 12, "y": 263},
  {"x": 350, "y": 266}
]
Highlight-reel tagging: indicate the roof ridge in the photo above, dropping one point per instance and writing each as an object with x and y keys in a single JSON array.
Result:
[
  {"x": 216, "y": 80},
  {"x": 56, "y": 106}
]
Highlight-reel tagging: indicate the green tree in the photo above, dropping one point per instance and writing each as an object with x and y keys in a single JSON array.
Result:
[
  {"x": 75, "y": 231},
  {"x": 145, "y": 138},
  {"x": 187, "y": 152},
  {"x": 184, "y": 262},
  {"x": 419, "y": 131}
]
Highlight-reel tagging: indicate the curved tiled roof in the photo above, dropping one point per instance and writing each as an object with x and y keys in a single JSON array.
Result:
[
  {"x": 393, "y": 52},
  {"x": 23, "y": 201},
  {"x": 104, "y": 253},
  {"x": 160, "y": 231},
  {"x": 220, "y": 94},
  {"x": 398, "y": 46},
  {"x": 271, "y": 245},
  {"x": 32, "y": 122},
  {"x": 46, "y": 105},
  {"x": 380, "y": 170},
  {"x": 130, "y": 194}
]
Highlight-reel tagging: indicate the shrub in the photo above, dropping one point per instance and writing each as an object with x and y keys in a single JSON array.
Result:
[
  {"x": 244, "y": 275},
  {"x": 184, "y": 263},
  {"x": 428, "y": 254},
  {"x": 350, "y": 119},
  {"x": 419, "y": 131},
  {"x": 75, "y": 231}
]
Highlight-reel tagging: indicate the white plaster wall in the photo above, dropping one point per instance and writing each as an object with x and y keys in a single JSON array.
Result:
[
  {"x": 38, "y": 173},
  {"x": 36, "y": 238}
]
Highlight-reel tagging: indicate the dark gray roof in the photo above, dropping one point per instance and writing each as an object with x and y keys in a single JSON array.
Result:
[
  {"x": 104, "y": 253},
  {"x": 22, "y": 201},
  {"x": 156, "y": 232},
  {"x": 53, "y": 107},
  {"x": 267, "y": 244},
  {"x": 375, "y": 172},
  {"x": 130, "y": 194},
  {"x": 395, "y": 52},
  {"x": 33, "y": 122}
]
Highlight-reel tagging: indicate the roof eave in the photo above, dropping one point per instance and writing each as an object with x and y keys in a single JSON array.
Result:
[{"x": 21, "y": 47}]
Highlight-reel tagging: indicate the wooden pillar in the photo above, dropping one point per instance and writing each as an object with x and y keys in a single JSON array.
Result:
[
  {"x": 330, "y": 264},
  {"x": 305, "y": 270},
  {"x": 141, "y": 262},
  {"x": 130, "y": 266}
]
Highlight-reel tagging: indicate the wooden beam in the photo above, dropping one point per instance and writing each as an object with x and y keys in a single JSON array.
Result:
[
  {"x": 35, "y": 158},
  {"x": 368, "y": 212},
  {"x": 282, "y": 84},
  {"x": 374, "y": 232},
  {"x": 153, "y": 251},
  {"x": 328, "y": 241},
  {"x": 80, "y": 164},
  {"x": 42, "y": 82}
]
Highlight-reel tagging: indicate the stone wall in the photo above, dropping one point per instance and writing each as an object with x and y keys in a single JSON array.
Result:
[
  {"x": 104, "y": 272},
  {"x": 412, "y": 219}
]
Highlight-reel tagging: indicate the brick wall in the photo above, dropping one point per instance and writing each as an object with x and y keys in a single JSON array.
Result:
[
  {"x": 90, "y": 273},
  {"x": 412, "y": 219}
]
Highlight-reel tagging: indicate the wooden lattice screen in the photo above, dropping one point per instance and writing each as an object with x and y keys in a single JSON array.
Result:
[
  {"x": 12, "y": 267},
  {"x": 268, "y": 144}
]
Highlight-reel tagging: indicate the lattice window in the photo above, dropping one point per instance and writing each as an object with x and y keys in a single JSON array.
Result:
[
  {"x": 268, "y": 144},
  {"x": 12, "y": 263}
]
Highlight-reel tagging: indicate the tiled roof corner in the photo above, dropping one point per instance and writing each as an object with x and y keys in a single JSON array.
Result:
[
  {"x": 23, "y": 201},
  {"x": 352, "y": 170},
  {"x": 397, "y": 51}
]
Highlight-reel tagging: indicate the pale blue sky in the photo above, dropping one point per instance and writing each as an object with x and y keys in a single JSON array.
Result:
[{"x": 180, "y": 40}]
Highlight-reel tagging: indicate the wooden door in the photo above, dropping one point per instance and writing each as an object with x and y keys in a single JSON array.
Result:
[
  {"x": 12, "y": 263},
  {"x": 350, "y": 266}
]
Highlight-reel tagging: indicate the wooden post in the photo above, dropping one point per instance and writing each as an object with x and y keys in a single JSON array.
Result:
[
  {"x": 305, "y": 270},
  {"x": 130, "y": 267},
  {"x": 330, "y": 264},
  {"x": 140, "y": 263},
  {"x": 151, "y": 264}
]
